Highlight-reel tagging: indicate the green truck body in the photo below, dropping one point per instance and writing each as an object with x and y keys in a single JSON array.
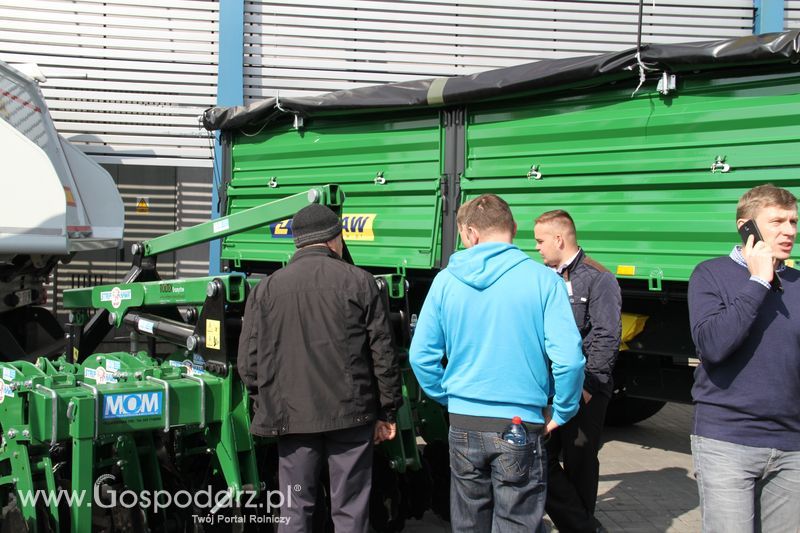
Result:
[{"x": 651, "y": 174}]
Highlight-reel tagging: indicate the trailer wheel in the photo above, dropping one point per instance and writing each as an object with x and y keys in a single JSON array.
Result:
[{"x": 625, "y": 411}]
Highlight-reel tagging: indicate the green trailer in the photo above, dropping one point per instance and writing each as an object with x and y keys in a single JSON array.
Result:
[{"x": 648, "y": 149}]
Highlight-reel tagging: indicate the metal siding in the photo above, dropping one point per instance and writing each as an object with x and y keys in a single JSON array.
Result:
[
  {"x": 406, "y": 150},
  {"x": 791, "y": 15},
  {"x": 127, "y": 80},
  {"x": 297, "y": 48},
  {"x": 193, "y": 207},
  {"x": 635, "y": 173}
]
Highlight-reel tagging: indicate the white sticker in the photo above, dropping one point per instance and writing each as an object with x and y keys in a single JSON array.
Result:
[
  {"x": 2, "y": 391},
  {"x": 115, "y": 296},
  {"x": 146, "y": 326},
  {"x": 9, "y": 374},
  {"x": 221, "y": 225},
  {"x": 89, "y": 373},
  {"x": 190, "y": 371},
  {"x": 112, "y": 366},
  {"x": 100, "y": 375}
]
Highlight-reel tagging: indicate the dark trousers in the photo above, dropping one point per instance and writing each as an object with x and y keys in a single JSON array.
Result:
[
  {"x": 572, "y": 488},
  {"x": 348, "y": 453},
  {"x": 496, "y": 486}
]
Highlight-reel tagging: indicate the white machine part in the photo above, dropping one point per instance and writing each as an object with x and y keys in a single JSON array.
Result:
[{"x": 56, "y": 200}]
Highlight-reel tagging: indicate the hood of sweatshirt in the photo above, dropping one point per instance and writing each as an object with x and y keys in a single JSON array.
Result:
[{"x": 482, "y": 265}]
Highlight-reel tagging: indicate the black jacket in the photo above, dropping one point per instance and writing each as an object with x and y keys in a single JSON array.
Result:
[
  {"x": 316, "y": 351},
  {"x": 597, "y": 307}
]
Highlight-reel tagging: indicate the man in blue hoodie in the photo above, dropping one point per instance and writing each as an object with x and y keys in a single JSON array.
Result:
[{"x": 504, "y": 324}]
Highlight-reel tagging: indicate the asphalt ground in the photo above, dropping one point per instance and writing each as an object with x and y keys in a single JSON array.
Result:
[{"x": 646, "y": 482}]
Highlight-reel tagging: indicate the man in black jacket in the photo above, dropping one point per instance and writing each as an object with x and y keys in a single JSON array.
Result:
[
  {"x": 316, "y": 355},
  {"x": 596, "y": 305}
]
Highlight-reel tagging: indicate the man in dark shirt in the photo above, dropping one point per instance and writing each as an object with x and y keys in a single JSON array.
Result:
[
  {"x": 746, "y": 434},
  {"x": 596, "y": 306},
  {"x": 316, "y": 354}
]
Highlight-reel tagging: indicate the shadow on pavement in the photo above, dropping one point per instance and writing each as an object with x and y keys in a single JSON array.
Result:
[
  {"x": 670, "y": 493},
  {"x": 668, "y": 430}
]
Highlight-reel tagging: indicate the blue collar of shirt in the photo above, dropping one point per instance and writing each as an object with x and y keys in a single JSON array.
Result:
[{"x": 736, "y": 255}]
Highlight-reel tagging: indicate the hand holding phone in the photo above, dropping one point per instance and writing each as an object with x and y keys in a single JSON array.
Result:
[{"x": 745, "y": 231}]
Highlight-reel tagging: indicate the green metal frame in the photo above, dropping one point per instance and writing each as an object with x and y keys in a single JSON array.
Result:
[{"x": 240, "y": 222}]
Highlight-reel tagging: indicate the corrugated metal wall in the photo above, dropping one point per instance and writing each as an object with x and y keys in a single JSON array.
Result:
[
  {"x": 313, "y": 46},
  {"x": 127, "y": 79},
  {"x": 791, "y": 15}
]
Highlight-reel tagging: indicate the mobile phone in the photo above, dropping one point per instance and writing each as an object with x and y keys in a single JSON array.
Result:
[{"x": 750, "y": 228}]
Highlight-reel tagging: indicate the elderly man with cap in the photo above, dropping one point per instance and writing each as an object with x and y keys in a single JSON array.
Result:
[{"x": 316, "y": 354}]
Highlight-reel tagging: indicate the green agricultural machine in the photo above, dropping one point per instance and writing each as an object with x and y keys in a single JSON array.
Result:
[
  {"x": 648, "y": 149},
  {"x": 148, "y": 439}
]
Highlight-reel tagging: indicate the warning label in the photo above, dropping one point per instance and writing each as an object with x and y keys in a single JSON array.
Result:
[{"x": 142, "y": 204}]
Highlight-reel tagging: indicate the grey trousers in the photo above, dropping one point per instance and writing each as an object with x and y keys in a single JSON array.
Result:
[
  {"x": 348, "y": 453},
  {"x": 745, "y": 489}
]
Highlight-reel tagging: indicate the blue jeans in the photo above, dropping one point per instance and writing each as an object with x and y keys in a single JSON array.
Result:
[
  {"x": 746, "y": 489},
  {"x": 496, "y": 486}
]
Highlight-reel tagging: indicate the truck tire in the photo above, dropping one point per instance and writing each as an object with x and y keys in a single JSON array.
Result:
[{"x": 625, "y": 411}]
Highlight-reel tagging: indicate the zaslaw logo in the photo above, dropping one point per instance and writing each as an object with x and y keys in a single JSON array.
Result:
[{"x": 128, "y": 405}]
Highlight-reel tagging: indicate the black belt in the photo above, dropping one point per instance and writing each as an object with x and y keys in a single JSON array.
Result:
[{"x": 488, "y": 423}]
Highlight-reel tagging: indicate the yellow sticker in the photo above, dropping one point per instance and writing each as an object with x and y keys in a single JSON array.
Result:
[
  {"x": 70, "y": 197},
  {"x": 142, "y": 204},
  {"x": 358, "y": 227},
  {"x": 75, "y": 354},
  {"x": 212, "y": 335},
  {"x": 626, "y": 270}
]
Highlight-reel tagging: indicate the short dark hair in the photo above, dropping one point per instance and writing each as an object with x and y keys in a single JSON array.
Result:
[
  {"x": 560, "y": 217},
  {"x": 763, "y": 196},
  {"x": 486, "y": 212}
]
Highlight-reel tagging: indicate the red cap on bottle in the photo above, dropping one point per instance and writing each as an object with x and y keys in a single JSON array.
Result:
[{"x": 516, "y": 420}]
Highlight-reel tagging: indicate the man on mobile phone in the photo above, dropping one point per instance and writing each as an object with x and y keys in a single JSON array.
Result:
[{"x": 746, "y": 434}]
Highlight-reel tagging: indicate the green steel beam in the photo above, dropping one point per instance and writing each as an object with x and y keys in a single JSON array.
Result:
[
  {"x": 245, "y": 220},
  {"x": 152, "y": 293}
]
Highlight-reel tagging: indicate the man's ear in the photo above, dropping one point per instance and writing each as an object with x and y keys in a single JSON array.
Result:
[
  {"x": 739, "y": 222},
  {"x": 473, "y": 235},
  {"x": 514, "y": 231}
]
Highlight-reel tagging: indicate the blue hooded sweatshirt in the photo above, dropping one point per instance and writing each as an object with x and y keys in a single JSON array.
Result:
[{"x": 500, "y": 318}]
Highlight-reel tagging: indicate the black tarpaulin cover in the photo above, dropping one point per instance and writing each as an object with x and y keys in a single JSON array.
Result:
[{"x": 586, "y": 71}]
